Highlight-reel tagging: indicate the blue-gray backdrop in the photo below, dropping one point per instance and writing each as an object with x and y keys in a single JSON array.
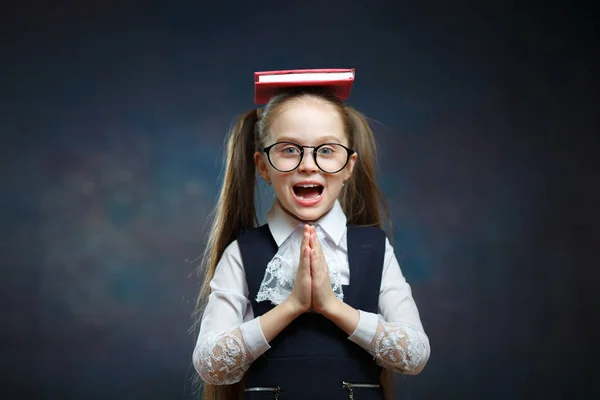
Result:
[{"x": 113, "y": 119}]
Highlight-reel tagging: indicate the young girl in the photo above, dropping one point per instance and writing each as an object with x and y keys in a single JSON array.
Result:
[{"x": 313, "y": 304}]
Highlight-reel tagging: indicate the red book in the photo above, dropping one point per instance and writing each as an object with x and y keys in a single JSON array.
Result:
[{"x": 267, "y": 83}]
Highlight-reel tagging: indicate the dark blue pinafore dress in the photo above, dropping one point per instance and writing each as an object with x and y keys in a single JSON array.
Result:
[{"x": 312, "y": 358}]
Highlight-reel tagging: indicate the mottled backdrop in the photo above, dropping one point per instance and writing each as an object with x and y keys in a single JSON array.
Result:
[{"x": 113, "y": 120}]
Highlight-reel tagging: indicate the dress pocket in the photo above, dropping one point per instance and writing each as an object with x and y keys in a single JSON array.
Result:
[{"x": 354, "y": 389}]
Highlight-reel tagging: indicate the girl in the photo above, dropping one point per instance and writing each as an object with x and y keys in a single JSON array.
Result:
[{"x": 313, "y": 304}]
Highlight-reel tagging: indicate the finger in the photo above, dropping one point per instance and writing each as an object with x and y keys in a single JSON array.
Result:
[
  {"x": 316, "y": 247},
  {"x": 313, "y": 263},
  {"x": 306, "y": 259},
  {"x": 314, "y": 240},
  {"x": 302, "y": 252},
  {"x": 320, "y": 256},
  {"x": 304, "y": 267},
  {"x": 305, "y": 236},
  {"x": 317, "y": 243},
  {"x": 306, "y": 241}
]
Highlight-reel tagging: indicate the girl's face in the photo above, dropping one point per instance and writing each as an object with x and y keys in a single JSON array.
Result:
[{"x": 306, "y": 192}]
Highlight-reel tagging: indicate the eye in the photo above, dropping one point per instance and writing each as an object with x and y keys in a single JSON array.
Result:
[
  {"x": 287, "y": 150},
  {"x": 326, "y": 151},
  {"x": 290, "y": 150}
]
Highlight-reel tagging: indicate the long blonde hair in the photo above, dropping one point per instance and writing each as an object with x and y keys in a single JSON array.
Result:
[{"x": 361, "y": 199}]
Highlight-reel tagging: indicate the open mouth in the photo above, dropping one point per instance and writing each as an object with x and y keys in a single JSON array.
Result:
[{"x": 308, "y": 191}]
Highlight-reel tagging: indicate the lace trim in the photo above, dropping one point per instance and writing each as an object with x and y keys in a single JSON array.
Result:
[
  {"x": 278, "y": 281},
  {"x": 223, "y": 358},
  {"x": 400, "y": 348}
]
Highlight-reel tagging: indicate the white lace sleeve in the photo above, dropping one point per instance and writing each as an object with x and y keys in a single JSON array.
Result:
[
  {"x": 222, "y": 358},
  {"x": 400, "y": 348},
  {"x": 230, "y": 337}
]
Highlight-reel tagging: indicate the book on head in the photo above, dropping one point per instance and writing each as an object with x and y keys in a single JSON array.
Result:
[{"x": 339, "y": 81}]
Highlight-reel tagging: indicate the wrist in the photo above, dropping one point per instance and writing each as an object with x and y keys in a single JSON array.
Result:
[
  {"x": 343, "y": 315},
  {"x": 331, "y": 310},
  {"x": 292, "y": 308}
]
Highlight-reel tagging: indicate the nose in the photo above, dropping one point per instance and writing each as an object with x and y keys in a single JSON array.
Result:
[{"x": 308, "y": 164}]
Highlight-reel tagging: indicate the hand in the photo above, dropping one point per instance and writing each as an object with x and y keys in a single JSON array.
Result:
[
  {"x": 301, "y": 298},
  {"x": 323, "y": 297}
]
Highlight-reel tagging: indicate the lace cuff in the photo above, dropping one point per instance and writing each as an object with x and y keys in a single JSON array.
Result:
[
  {"x": 396, "y": 346},
  {"x": 222, "y": 358}
]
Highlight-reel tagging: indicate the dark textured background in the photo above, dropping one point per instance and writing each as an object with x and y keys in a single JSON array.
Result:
[{"x": 113, "y": 119}]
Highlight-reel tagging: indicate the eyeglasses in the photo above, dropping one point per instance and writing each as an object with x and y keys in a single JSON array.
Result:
[{"x": 329, "y": 157}]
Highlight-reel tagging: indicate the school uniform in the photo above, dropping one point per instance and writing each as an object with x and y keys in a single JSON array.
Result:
[{"x": 312, "y": 357}]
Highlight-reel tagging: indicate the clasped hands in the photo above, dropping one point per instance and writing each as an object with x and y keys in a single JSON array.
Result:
[{"x": 312, "y": 288}]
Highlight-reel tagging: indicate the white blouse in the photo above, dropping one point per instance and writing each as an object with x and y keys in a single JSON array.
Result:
[{"x": 231, "y": 338}]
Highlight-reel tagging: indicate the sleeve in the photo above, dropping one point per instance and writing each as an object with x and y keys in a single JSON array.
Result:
[
  {"x": 395, "y": 336},
  {"x": 230, "y": 338}
]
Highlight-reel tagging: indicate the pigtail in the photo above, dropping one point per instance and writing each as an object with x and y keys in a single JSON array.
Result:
[
  {"x": 234, "y": 212},
  {"x": 361, "y": 199}
]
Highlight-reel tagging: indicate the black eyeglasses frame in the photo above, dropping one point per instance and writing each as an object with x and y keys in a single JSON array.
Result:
[{"x": 314, "y": 152}]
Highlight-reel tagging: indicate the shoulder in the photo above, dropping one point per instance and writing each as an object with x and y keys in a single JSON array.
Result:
[
  {"x": 253, "y": 233},
  {"x": 256, "y": 243},
  {"x": 229, "y": 271},
  {"x": 231, "y": 257}
]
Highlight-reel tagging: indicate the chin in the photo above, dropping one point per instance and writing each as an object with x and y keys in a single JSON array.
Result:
[{"x": 308, "y": 213}]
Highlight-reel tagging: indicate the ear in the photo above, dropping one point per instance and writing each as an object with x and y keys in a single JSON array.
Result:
[
  {"x": 350, "y": 167},
  {"x": 261, "y": 165}
]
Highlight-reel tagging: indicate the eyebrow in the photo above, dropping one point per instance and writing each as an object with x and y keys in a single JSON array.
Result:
[{"x": 322, "y": 139}]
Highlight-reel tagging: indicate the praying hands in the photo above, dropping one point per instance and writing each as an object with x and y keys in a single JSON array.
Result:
[{"x": 312, "y": 288}]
